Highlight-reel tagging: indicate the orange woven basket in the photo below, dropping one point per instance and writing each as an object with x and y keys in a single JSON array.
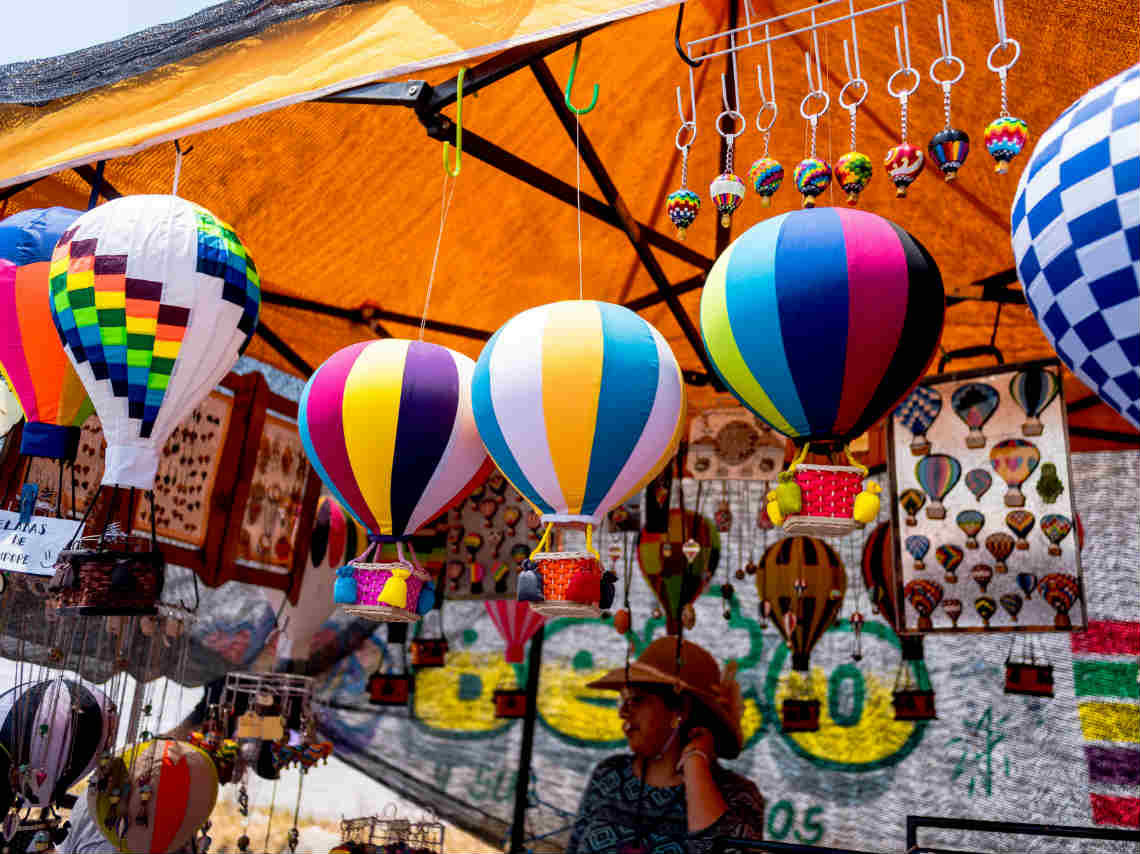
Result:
[{"x": 557, "y": 570}]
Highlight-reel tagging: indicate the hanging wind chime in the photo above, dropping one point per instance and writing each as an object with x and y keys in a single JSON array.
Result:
[
  {"x": 684, "y": 204},
  {"x": 813, "y": 174},
  {"x": 727, "y": 189},
  {"x": 766, "y": 173},
  {"x": 904, "y": 162},
  {"x": 950, "y": 146},
  {"x": 1005, "y": 136},
  {"x": 853, "y": 170}
]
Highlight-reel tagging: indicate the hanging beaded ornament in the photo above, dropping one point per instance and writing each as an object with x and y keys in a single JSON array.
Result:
[
  {"x": 727, "y": 189},
  {"x": 950, "y": 146},
  {"x": 812, "y": 174},
  {"x": 1006, "y": 135},
  {"x": 766, "y": 173},
  {"x": 683, "y": 205},
  {"x": 853, "y": 169},
  {"x": 904, "y": 162}
]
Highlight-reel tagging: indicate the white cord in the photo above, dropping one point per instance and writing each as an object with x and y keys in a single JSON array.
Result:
[
  {"x": 578, "y": 176},
  {"x": 444, "y": 208}
]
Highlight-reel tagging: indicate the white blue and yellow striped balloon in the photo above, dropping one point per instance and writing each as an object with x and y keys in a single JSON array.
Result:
[{"x": 580, "y": 404}]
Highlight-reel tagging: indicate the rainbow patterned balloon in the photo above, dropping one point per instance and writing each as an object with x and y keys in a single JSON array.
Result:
[
  {"x": 853, "y": 172},
  {"x": 937, "y": 474},
  {"x": 949, "y": 149},
  {"x": 951, "y": 558},
  {"x": 1061, "y": 591},
  {"x": 766, "y": 174},
  {"x": 978, "y": 481},
  {"x": 154, "y": 299},
  {"x": 1005, "y": 137},
  {"x": 1055, "y": 528},
  {"x": 924, "y": 596},
  {"x": 682, "y": 206},
  {"x": 1021, "y": 523},
  {"x": 970, "y": 521},
  {"x": 727, "y": 191},
  {"x": 812, "y": 177},
  {"x": 1000, "y": 545},
  {"x": 904, "y": 163},
  {"x": 917, "y": 545}
]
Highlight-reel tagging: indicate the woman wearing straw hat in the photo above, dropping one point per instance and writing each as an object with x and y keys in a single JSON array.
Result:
[{"x": 670, "y": 794}]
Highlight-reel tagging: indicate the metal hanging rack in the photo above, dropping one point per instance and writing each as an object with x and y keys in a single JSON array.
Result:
[{"x": 757, "y": 33}]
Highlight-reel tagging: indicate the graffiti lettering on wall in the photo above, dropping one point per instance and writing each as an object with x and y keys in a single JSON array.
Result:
[
  {"x": 975, "y": 752},
  {"x": 785, "y": 821},
  {"x": 481, "y": 782},
  {"x": 858, "y": 731}
]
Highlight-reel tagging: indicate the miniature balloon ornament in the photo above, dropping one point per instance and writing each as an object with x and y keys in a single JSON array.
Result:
[
  {"x": 918, "y": 546},
  {"x": 1033, "y": 390},
  {"x": 975, "y": 403},
  {"x": 1055, "y": 528},
  {"x": 388, "y": 427},
  {"x": 727, "y": 192},
  {"x": 917, "y": 414},
  {"x": 682, "y": 206},
  {"x": 853, "y": 173},
  {"x": 953, "y": 609},
  {"x": 1074, "y": 205},
  {"x": 1000, "y": 545},
  {"x": 1014, "y": 460},
  {"x": 986, "y": 608},
  {"x": 937, "y": 474},
  {"x": 1061, "y": 591},
  {"x": 766, "y": 175},
  {"x": 38, "y": 370},
  {"x": 1005, "y": 136},
  {"x": 678, "y": 564},
  {"x": 982, "y": 573},
  {"x": 786, "y": 308},
  {"x": 812, "y": 176},
  {"x": 580, "y": 404},
  {"x": 949, "y": 149},
  {"x": 154, "y": 299},
  {"x": 924, "y": 596},
  {"x": 911, "y": 501},
  {"x": 970, "y": 522},
  {"x": 1021, "y": 523},
  {"x": 950, "y": 557},
  {"x": 517, "y": 622},
  {"x": 978, "y": 481}
]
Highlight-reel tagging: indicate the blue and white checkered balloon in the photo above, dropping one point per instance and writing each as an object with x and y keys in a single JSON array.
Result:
[{"x": 1076, "y": 239}]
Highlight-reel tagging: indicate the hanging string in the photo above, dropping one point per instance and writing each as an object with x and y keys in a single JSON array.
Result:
[
  {"x": 578, "y": 197},
  {"x": 444, "y": 209},
  {"x": 269, "y": 821}
]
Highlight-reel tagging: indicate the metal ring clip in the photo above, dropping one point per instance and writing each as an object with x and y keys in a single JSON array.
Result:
[
  {"x": 903, "y": 92},
  {"x": 948, "y": 60},
  {"x": 734, "y": 114},
  {"x": 765, "y": 127},
  {"x": 850, "y": 83},
  {"x": 998, "y": 69},
  {"x": 819, "y": 93},
  {"x": 687, "y": 126}
]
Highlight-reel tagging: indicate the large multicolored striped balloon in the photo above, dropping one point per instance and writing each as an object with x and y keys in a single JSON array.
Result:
[
  {"x": 580, "y": 404},
  {"x": 388, "y": 427},
  {"x": 154, "y": 298},
  {"x": 183, "y": 788},
  {"x": 822, "y": 321},
  {"x": 55, "y": 729},
  {"x": 42, "y": 378}
]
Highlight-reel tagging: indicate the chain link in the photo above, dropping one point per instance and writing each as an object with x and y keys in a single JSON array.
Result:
[
  {"x": 812, "y": 124},
  {"x": 852, "y": 112},
  {"x": 685, "y": 167},
  {"x": 728, "y": 155},
  {"x": 946, "y": 103},
  {"x": 1004, "y": 104},
  {"x": 902, "y": 111}
]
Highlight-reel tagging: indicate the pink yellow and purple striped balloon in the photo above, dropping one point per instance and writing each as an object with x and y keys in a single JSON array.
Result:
[
  {"x": 388, "y": 427},
  {"x": 821, "y": 321}
]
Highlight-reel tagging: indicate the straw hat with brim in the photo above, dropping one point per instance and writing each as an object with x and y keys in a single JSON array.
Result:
[{"x": 698, "y": 676}]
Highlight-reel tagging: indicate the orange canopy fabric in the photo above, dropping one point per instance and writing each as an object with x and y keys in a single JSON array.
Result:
[{"x": 340, "y": 203}]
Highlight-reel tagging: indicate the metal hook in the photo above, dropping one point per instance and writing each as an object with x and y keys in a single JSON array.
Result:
[
  {"x": 453, "y": 171},
  {"x": 570, "y": 84},
  {"x": 947, "y": 57},
  {"x": 902, "y": 49},
  {"x": 692, "y": 63},
  {"x": 686, "y": 123}
]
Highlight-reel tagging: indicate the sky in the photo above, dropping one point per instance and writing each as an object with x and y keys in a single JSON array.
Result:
[{"x": 35, "y": 29}]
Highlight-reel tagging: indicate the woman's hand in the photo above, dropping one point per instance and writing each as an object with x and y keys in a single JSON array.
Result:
[
  {"x": 701, "y": 745},
  {"x": 704, "y": 803}
]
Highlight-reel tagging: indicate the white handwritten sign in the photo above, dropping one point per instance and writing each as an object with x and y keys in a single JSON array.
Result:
[{"x": 33, "y": 548}]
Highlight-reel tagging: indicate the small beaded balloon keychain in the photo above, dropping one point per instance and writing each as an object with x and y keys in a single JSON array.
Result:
[
  {"x": 766, "y": 173},
  {"x": 812, "y": 174},
  {"x": 683, "y": 205},
  {"x": 1005, "y": 136},
  {"x": 950, "y": 146},
  {"x": 727, "y": 189},
  {"x": 904, "y": 162},
  {"x": 853, "y": 170}
]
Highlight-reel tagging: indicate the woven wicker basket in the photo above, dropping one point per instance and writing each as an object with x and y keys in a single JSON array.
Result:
[
  {"x": 557, "y": 570},
  {"x": 828, "y": 501},
  {"x": 124, "y": 577},
  {"x": 370, "y": 580}
]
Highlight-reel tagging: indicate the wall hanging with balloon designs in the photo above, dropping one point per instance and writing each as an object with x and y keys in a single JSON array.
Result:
[
  {"x": 733, "y": 444},
  {"x": 980, "y": 480}
]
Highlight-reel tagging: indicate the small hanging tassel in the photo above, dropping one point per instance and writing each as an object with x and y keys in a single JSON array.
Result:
[{"x": 395, "y": 590}]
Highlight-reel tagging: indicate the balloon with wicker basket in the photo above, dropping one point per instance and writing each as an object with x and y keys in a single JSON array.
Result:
[
  {"x": 823, "y": 500},
  {"x": 398, "y": 591},
  {"x": 569, "y": 583}
]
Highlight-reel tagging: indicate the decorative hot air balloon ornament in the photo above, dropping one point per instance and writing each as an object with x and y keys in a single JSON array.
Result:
[
  {"x": 950, "y": 557},
  {"x": 1055, "y": 528},
  {"x": 982, "y": 573},
  {"x": 970, "y": 521},
  {"x": 904, "y": 162},
  {"x": 1005, "y": 136},
  {"x": 1027, "y": 581},
  {"x": 766, "y": 173},
  {"x": 1033, "y": 390},
  {"x": 1014, "y": 460},
  {"x": 918, "y": 546},
  {"x": 683, "y": 205},
  {"x": 397, "y": 472},
  {"x": 679, "y": 574},
  {"x": 986, "y": 608},
  {"x": 727, "y": 189},
  {"x": 1000, "y": 545},
  {"x": 974, "y": 403},
  {"x": 1061, "y": 591},
  {"x": 853, "y": 169},
  {"x": 978, "y": 481},
  {"x": 803, "y": 582},
  {"x": 953, "y": 609},
  {"x": 776, "y": 316},
  {"x": 937, "y": 474},
  {"x": 41, "y": 376},
  {"x": 950, "y": 146},
  {"x": 1011, "y": 603},
  {"x": 1068, "y": 207},
  {"x": 911, "y": 501},
  {"x": 576, "y": 456},
  {"x": 517, "y": 622},
  {"x": 924, "y": 596},
  {"x": 917, "y": 413},
  {"x": 1021, "y": 523},
  {"x": 813, "y": 175}
]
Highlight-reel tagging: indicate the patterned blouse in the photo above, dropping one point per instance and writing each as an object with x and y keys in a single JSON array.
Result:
[{"x": 621, "y": 814}]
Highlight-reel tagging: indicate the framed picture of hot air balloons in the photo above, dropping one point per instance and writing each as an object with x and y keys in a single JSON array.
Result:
[
  {"x": 733, "y": 444},
  {"x": 987, "y": 538}
]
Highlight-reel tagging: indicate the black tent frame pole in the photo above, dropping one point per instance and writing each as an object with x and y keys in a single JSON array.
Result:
[{"x": 526, "y": 750}]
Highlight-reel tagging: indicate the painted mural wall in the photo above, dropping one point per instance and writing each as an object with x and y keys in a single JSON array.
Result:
[{"x": 1072, "y": 759}]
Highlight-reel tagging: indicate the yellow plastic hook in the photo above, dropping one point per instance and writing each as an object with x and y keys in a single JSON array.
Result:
[
  {"x": 453, "y": 171},
  {"x": 570, "y": 84}
]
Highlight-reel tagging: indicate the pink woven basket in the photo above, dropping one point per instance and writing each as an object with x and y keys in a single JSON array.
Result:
[
  {"x": 370, "y": 580},
  {"x": 828, "y": 500}
]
